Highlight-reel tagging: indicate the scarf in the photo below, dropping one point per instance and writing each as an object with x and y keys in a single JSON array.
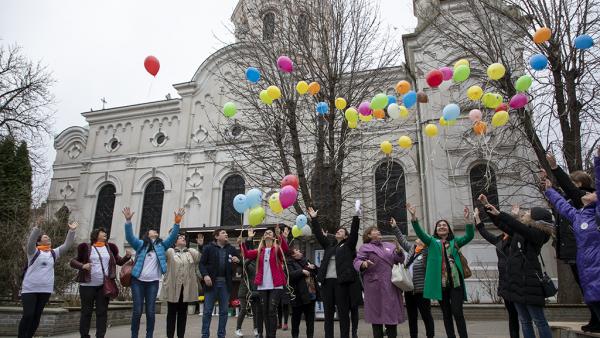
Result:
[
  {"x": 418, "y": 249},
  {"x": 44, "y": 247},
  {"x": 99, "y": 244}
]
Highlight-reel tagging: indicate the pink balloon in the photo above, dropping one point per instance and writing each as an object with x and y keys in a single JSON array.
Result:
[
  {"x": 287, "y": 196},
  {"x": 518, "y": 101},
  {"x": 475, "y": 115},
  {"x": 447, "y": 72},
  {"x": 285, "y": 64},
  {"x": 365, "y": 108}
]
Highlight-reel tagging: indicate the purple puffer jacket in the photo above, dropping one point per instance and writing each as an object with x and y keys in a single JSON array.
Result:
[{"x": 587, "y": 236}]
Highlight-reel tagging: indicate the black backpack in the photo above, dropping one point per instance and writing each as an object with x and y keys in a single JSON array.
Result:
[{"x": 37, "y": 254}]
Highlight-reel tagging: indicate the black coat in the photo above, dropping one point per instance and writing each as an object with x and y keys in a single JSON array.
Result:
[
  {"x": 503, "y": 252},
  {"x": 209, "y": 263},
  {"x": 298, "y": 281},
  {"x": 523, "y": 267},
  {"x": 565, "y": 245}
]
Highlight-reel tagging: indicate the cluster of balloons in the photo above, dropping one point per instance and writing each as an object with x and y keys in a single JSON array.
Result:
[
  {"x": 458, "y": 74},
  {"x": 405, "y": 142},
  {"x": 303, "y": 87},
  {"x": 301, "y": 228}
]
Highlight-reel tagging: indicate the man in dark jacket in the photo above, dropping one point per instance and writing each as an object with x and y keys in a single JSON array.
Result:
[
  {"x": 215, "y": 267},
  {"x": 302, "y": 277}
]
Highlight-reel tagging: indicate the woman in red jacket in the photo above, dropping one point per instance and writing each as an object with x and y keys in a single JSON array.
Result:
[{"x": 270, "y": 278}]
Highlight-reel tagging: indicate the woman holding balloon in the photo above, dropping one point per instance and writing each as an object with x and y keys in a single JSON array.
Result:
[{"x": 339, "y": 281}]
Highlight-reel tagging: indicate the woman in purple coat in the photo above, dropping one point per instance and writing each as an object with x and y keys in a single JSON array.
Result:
[
  {"x": 383, "y": 300},
  {"x": 587, "y": 235}
]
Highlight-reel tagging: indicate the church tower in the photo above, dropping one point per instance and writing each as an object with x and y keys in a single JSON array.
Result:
[{"x": 425, "y": 10}]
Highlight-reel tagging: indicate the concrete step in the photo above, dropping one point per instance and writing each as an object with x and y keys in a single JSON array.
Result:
[{"x": 570, "y": 330}]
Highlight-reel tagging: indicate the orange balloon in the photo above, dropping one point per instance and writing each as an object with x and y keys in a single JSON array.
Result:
[
  {"x": 542, "y": 35},
  {"x": 480, "y": 127},
  {"x": 314, "y": 88},
  {"x": 379, "y": 113},
  {"x": 402, "y": 87}
]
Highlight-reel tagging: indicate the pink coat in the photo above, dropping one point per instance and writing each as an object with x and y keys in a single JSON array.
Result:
[{"x": 276, "y": 260}]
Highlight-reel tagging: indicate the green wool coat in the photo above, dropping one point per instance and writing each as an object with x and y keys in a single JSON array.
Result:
[{"x": 433, "y": 273}]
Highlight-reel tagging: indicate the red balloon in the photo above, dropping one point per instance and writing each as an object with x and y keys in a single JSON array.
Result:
[
  {"x": 290, "y": 180},
  {"x": 152, "y": 65},
  {"x": 502, "y": 107},
  {"x": 434, "y": 78}
]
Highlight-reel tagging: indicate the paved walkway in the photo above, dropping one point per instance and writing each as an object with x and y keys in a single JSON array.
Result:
[{"x": 488, "y": 329}]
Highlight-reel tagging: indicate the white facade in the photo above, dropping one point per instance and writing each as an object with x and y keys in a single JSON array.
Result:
[{"x": 122, "y": 146}]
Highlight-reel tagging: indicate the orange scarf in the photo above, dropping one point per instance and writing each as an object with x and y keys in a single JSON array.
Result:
[
  {"x": 418, "y": 249},
  {"x": 44, "y": 247},
  {"x": 99, "y": 244}
]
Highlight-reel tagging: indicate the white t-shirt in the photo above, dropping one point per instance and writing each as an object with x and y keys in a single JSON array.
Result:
[
  {"x": 267, "y": 281},
  {"x": 151, "y": 270},
  {"x": 39, "y": 277},
  {"x": 97, "y": 276}
]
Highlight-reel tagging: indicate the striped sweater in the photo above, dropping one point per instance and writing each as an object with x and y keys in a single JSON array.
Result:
[{"x": 417, "y": 263}]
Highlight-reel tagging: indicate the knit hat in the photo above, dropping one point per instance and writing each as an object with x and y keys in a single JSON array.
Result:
[{"x": 541, "y": 214}]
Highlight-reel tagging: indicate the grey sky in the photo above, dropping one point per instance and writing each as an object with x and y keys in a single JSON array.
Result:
[{"x": 96, "y": 49}]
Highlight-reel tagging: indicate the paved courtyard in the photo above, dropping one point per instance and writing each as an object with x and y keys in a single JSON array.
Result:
[{"x": 489, "y": 329}]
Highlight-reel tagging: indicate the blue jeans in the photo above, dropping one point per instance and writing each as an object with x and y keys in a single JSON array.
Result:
[
  {"x": 529, "y": 312},
  {"x": 218, "y": 292},
  {"x": 143, "y": 292}
]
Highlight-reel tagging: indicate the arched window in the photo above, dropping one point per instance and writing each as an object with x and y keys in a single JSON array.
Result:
[
  {"x": 233, "y": 186},
  {"x": 268, "y": 26},
  {"x": 303, "y": 29},
  {"x": 390, "y": 196},
  {"x": 152, "y": 208},
  {"x": 483, "y": 181},
  {"x": 105, "y": 206}
]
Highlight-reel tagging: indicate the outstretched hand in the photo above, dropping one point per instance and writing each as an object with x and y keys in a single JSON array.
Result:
[
  {"x": 286, "y": 231},
  {"x": 547, "y": 184},
  {"x": 73, "y": 225},
  {"x": 393, "y": 222},
  {"x": 492, "y": 209},
  {"x": 483, "y": 199},
  {"x": 128, "y": 214},
  {"x": 412, "y": 210},
  {"x": 277, "y": 230},
  {"x": 179, "y": 215},
  {"x": 467, "y": 213},
  {"x": 312, "y": 212},
  {"x": 516, "y": 209},
  {"x": 551, "y": 160},
  {"x": 476, "y": 215}
]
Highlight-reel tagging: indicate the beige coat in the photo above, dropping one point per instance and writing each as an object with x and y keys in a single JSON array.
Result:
[{"x": 181, "y": 272}]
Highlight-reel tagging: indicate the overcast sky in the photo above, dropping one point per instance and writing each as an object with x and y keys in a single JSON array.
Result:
[{"x": 96, "y": 49}]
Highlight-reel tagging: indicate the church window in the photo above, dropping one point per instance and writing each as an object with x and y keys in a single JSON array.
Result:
[
  {"x": 268, "y": 26},
  {"x": 233, "y": 186},
  {"x": 483, "y": 181},
  {"x": 390, "y": 196},
  {"x": 152, "y": 207},
  {"x": 105, "y": 206},
  {"x": 159, "y": 139},
  {"x": 113, "y": 144}
]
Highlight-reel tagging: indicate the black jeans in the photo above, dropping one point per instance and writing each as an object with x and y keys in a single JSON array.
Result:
[
  {"x": 336, "y": 295},
  {"x": 354, "y": 318},
  {"x": 593, "y": 316},
  {"x": 452, "y": 306},
  {"x": 283, "y": 313},
  {"x": 269, "y": 300},
  {"x": 513, "y": 318},
  {"x": 309, "y": 316},
  {"x": 33, "y": 306},
  {"x": 90, "y": 296},
  {"x": 177, "y": 313},
  {"x": 390, "y": 330},
  {"x": 244, "y": 303},
  {"x": 415, "y": 303}
]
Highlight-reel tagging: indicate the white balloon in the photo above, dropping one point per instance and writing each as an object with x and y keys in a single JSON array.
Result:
[
  {"x": 306, "y": 231},
  {"x": 394, "y": 111}
]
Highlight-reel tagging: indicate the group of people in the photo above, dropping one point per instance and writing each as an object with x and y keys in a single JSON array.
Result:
[{"x": 276, "y": 274}]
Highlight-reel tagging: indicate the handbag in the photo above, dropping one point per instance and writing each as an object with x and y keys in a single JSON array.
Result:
[
  {"x": 125, "y": 273},
  {"x": 467, "y": 273},
  {"x": 109, "y": 286},
  {"x": 402, "y": 278},
  {"x": 550, "y": 289}
]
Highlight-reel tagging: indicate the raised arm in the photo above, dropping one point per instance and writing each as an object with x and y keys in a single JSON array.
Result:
[
  {"x": 353, "y": 237},
  {"x": 560, "y": 204},
  {"x": 486, "y": 234},
  {"x": 597, "y": 173},
  {"x": 69, "y": 240},
  {"x": 248, "y": 254},
  {"x": 530, "y": 233},
  {"x": 423, "y": 236},
  {"x": 135, "y": 242},
  {"x": 316, "y": 229},
  {"x": 565, "y": 183},
  {"x": 170, "y": 240},
  {"x": 400, "y": 237},
  {"x": 32, "y": 241},
  {"x": 469, "y": 235}
]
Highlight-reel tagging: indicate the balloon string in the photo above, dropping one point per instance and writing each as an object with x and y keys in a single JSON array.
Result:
[{"x": 150, "y": 88}]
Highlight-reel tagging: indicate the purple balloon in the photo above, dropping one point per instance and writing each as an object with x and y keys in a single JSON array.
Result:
[
  {"x": 287, "y": 196},
  {"x": 365, "y": 108},
  {"x": 447, "y": 72},
  {"x": 285, "y": 64},
  {"x": 518, "y": 101}
]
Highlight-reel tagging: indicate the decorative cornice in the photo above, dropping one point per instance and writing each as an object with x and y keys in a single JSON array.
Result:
[{"x": 133, "y": 111}]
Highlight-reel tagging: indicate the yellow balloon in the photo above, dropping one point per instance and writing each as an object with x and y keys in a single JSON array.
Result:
[
  {"x": 403, "y": 112},
  {"x": 352, "y": 124},
  {"x": 274, "y": 92},
  {"x": 365, "y": 118},
  {"x": 265, "y": 98},
  {"x": 405, "y": 142},
  {"x": 500, "y": 118},
  {"x": 296, "y": 232},
  {"x": 386, "y": 147},
  {"x": 496, "y": 71},
  {"x": 302, "y": 87},
  {"x": 351, "y": 114},
  {"x": 275, "y": 204},
  {"x": 474, "y": 93},
  {"x": 256, "y": 216},
  {"x": 431, "y": 130},
  {"x": 340, "y": 103},
  {"x": 462, "y": 62},
  {"x": 445, "y": 123}
]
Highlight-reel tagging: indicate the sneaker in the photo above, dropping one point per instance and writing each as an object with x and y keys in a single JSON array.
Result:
[
  {"x": 239, "y": 333},
  {"x": 285, "y": 327},
  {"x": 256, "y": 332}
]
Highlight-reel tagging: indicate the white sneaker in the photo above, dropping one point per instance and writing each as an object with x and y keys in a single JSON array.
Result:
[
  {"x": 256, "y": 332},
  {"x": 239, "y": 333}
]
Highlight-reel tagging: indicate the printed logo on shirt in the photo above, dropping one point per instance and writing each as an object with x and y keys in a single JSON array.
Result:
[
  {"x": 584, "y": 226},
  {"x": 420, "y": 258}
]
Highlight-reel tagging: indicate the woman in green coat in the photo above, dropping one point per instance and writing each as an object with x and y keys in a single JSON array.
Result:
[{"x": 444, "y": 280}]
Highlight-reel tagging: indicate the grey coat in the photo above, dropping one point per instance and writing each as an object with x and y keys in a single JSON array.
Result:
[{"x": 418, "y": 262}]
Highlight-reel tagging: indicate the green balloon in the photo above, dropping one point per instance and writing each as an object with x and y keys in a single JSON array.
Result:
[
  {"x": 380, "y": 101},
  {"x": 461, "y": 73},
  {"x": 523, "y": 83},
  {"x": 229, "y": 109},
  {"x": 256, "y": 216},
  {"x": 296, "y": 232},
  {"x": 265, "y": 98},
  {"x": 491, "y": 100}
]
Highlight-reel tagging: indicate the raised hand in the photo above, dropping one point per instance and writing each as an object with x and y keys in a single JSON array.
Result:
[
  {"x": 516, "y": 209},
  {"x": 551, "y": 160},
  {"x": 393, "y": 222},
  {"x": 492, "y": 209},
  {"x": 179, "y": 215},
  {"x": 467, "y": 213},
  {"x": 542, "y": 175},
  {"x": 200, "y": 238},
  {"x": 277, "y": 230},
  {"x": 412, "y": 210},
  {"x": 128, "y": 214},
  {"x": 286, "y": 231},
  {"x": 250, "y": 233},
  {"x": 73, "y": 225},
  {"x": 312, "y": 212},
  {"x": 476, "y": 215},
  {"x": 547, "y": 184},
  {"x": 483, "y": 199}
]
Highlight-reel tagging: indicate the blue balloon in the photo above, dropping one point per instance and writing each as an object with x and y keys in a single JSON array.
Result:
[
  {"x": 409, "y": 99},
  {"x": 583, "y": 42},
  {"x": 301, "y": 221},
  {"x": 451, "y": 112},
  {"x": 391, "y": 99},
  {"x": 240, "y": 203},
  {"x": 252, "y": 74},
  {"x": 538, "y": 62},
  {"x": 253, "y": 198},
  {"x": 322, "y": 108}
]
